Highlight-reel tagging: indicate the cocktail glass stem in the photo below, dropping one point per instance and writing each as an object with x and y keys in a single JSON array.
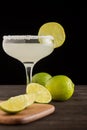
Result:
[{"x": 28, "y": 70}]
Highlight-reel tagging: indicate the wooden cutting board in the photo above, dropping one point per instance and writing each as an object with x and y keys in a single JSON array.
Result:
[{"x": 30, "y": 114}]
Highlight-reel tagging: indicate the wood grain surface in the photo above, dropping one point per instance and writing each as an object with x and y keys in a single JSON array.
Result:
[
  {"x": 31, "y": 113},
  {"x": 68, "y": 115}
]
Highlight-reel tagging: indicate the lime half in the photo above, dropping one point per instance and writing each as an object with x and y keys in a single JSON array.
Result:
[
  {"x": 42, "y": 93},
  {"x": 17, "y": 103},
  {"x": 54, "y": 29}
]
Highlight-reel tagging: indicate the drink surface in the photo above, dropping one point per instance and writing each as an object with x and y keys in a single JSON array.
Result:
[{"x": 25, "y": 52}]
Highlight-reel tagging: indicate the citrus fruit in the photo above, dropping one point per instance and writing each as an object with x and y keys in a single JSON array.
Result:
[
  {"x": 41, "y": 78},
  {"x": 54, "y": 29},
  {"x": 61, "y": 87},
  {"x": 17, "y": 103},
  {"x": 42, "y": 93}
]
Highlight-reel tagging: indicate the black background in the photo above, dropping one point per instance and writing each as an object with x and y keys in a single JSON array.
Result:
[{"x": 69, "y": 59}]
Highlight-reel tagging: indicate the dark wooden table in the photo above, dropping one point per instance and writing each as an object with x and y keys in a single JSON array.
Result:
[{"x": 69, "y": 115}]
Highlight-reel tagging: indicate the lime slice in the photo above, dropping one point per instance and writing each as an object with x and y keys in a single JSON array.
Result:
[
  {"x": 17, "y": 103},
  {"x": 42, "y": 93},
  {"x": 54, "y": 29}
]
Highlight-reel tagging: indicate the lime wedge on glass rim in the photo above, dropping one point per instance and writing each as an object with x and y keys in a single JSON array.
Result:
[
  {"x": 55, "y": 30},
  {"x": 17, "y": 103},
  {"x": 42, "y": 94}
]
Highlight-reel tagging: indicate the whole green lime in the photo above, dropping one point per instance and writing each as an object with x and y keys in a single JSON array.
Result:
[
  {"x": 41, "y": 78},
  {"x": 61, "y": 87}
]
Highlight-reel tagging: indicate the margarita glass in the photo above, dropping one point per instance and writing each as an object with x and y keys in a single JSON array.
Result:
[{"x": 28, "y": 49}]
